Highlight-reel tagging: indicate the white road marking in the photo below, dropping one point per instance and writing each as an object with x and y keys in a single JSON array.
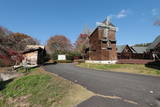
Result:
[{"x": 117, "y": 98}]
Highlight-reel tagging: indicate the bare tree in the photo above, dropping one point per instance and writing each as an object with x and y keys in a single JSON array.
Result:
[
  {"x": 20, "y": 41},
  {"x": 3, "y": 35},
  {"x": 11, "y": 43},
  {"x": 4, "y": 31},
  {"x": 16, "y": 41},
  {"x": 86, "y": 30},
  {"x": 82, "y": 42},
  {"x": 58, "y": 43}
]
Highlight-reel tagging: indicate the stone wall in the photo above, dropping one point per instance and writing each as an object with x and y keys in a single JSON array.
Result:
[{"x": 4, "y": 76}]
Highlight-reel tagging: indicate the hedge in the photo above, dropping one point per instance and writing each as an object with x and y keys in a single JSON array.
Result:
[{"x": 63, "y": 61}]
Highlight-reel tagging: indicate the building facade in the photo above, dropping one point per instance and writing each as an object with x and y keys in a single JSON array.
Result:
[
  {"x": 34, "y": 55},
  {"x": 124, "y": 52},
  {"x": 102, "y": 44}
]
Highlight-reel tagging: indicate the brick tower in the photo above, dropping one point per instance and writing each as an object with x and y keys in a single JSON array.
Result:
[{"x": 103, "y": 44}]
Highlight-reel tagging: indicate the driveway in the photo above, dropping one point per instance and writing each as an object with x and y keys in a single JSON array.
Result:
[{"x": 113, "y": 89}]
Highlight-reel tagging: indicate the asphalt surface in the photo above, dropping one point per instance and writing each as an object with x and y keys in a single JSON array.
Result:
[{"x": 113, "y": 89}]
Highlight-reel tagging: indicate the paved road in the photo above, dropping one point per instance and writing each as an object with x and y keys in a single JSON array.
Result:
[{"x": 130, "y": 90}]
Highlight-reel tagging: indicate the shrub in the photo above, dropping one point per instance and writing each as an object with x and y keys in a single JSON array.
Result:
[
  {"x": 55, "y": 56},
  {"x": 63, "y": 61},
  {"x": 72, "y": 55},
  {"x": 1, "y": 63},
  {"x": 69, "y": 55},
  {"x": 155, "y": 64},
  {"x": 79, "y": 61},
  {"x": 47, "y": 58},
  {"x": 5, "y": 62}
]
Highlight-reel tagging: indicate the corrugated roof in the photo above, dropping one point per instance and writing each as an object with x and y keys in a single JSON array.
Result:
[
  {"x": 154, "y": 43},
  {"x": 120, "y": 48},
  {"x": 140, "y": 49}
]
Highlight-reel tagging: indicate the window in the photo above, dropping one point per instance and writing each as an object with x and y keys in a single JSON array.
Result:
[{"x": 105, "y": 33}]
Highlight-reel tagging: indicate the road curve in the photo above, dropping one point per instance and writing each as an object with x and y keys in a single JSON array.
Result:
[{"x": 113, "y": 89}]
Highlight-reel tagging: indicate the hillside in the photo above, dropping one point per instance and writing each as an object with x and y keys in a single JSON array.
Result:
[{"x": 11, "y": 45}]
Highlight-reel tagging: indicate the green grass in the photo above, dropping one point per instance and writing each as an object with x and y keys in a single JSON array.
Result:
[
  {"x": 130, "y": 68},
  {"x": 26, "y": 85},
  {"x": 23, "y": 70},
  {"x": 39, "y": 89}
]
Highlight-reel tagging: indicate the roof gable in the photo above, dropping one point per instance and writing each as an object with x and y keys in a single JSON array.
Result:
[
  {"x": 154, "y": 43},
  {"x": 139, "y": 49},
  {"x": 120, "y": 48}
]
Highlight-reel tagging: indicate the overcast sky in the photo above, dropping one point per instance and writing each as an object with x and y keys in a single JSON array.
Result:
[{"x": 44, "y": 18}]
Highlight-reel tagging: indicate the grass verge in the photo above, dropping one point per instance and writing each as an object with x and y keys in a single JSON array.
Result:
[
  {"x": 39, "y": 88},
  {"x": 130, "y": 68}
]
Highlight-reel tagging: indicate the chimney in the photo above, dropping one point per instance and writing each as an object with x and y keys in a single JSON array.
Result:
[{"x": 108, "y": 20}]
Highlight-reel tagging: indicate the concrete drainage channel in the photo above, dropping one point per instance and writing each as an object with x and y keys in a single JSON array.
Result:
[{"x": 4, "y": 76}]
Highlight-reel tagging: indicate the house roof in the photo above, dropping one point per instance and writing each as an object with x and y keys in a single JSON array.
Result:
[
  {"x": 154, "y": 43},
  {"x": 104, "y": 22},
  {"x": 31, "y": 50},
  {"x": 110, "y": 23},
  {"x": 34, "y": 46},
  {"x": 139, "y": 49},
  {"x": 120, "y": 48}
]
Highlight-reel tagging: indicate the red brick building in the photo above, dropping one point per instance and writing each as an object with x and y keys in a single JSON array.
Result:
[{"x": 102, "y": 44}]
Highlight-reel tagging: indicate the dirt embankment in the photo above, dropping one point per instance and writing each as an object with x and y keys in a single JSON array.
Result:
[{"x": 27, "y": 91}]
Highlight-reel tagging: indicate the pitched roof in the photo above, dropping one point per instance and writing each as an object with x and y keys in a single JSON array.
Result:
[
  {"x": 110, "y": 23},
  {"x": 34, "y": 46},
  {"x": 154, "y": 43},
  {"x": 104, "y": 22},
  {"x": 120, "y": 48},
  {"x": 31, "y": 50},
  {"x": 139, "y": 49}
]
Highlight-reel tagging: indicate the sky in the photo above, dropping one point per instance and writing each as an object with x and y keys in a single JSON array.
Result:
[{"x": 42, "y": 19}]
